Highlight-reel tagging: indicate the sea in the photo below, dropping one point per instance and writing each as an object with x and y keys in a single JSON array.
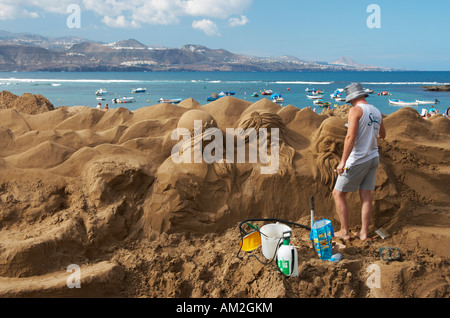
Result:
[{"x": 79, "y": 88}]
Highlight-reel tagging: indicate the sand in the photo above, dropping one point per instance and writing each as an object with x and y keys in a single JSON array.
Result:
[{"x": 99, "y": 189}]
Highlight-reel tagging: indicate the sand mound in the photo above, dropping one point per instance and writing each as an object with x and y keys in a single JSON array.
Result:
[
  {"x": 27, "y": 103},
  {"x": 101, "y": 190}
]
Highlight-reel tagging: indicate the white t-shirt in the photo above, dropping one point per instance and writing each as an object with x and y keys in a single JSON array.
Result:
[{"x": 366, "y": 143}]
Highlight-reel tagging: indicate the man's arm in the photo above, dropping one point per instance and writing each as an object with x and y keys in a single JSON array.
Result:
[
  {"x": 382, "y": 132},
  {"x": 354, "y": 116}
]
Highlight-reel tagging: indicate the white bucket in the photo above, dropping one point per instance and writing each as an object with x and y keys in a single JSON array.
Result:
[{"x": 271, "y": 235}]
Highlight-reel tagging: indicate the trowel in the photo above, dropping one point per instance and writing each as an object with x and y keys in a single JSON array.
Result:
[{"x": 381, "y": 232}]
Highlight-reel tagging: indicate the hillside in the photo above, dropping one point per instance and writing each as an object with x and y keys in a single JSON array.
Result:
[{"x": 28, "y": 52}]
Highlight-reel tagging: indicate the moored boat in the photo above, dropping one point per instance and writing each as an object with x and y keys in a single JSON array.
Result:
[
  {"x": 101, "y": 91},
  {"x": 398, "y": 102},
  {"x": 337, "y": 93},
  {"x": 423, "y": 102},
  {"x": 226, "y": 93},
  {"x": 170, "y": 101},
  {"x": 277, "y": 98},
  {"x": 321, "y": 103},
  {"x": 139, "y": 90},
  {"x": 123, "y": 100},
  {"x": 317, "y": 92},
  {"x": 267, "y": 92},
  {"x": 213, "y": 97},
  {"x": 314, "y": 96}
]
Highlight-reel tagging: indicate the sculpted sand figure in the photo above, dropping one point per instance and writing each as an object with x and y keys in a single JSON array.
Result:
[
  {"x": 188, "y": 196},
  {"x": 327, "y": 146},
  {"x": 205, "y": 196}
]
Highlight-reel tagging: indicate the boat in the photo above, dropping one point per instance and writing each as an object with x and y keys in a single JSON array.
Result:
[
  {"x": 123, "y": 100},
  {"x": 139, "y": 90},
  {"x": 170, "y": 101},
  {"x": 255, "y": 94},
  {"x": 317, "y": 101},
  {"x": 226, "y": 93},
  {"x": 423, "y": 102},
  {"x": 267, "y": 92},
  {"x": 337, "y": 93},
  {"x": 317, "y": 92},
  {"x": 310, "y": 90},
  {"x": 101, "y": 91},
  {"x": 277, "y": 98},
  {"x": 398, "y": 102},
  {"x": 369, "y": 91},
  {"x": 321, "y": 103},
  {"x": 100, "y": 98},
  {"x": 213, "y": 97},
  {"x": 314, "y": 96},
  {"x": 339, "y": 99}
]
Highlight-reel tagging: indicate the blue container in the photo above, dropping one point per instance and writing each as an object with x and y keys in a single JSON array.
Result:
[{"x": 321, "y": 234}]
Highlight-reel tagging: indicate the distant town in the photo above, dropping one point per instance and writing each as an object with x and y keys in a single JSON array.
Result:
[{"x": 32, "y": 52}]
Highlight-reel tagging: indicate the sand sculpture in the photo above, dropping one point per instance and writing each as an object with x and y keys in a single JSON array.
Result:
[{"x": 99, "y": 189}]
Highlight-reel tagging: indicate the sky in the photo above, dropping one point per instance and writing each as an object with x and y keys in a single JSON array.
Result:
[{"x": 402, "y": 34}]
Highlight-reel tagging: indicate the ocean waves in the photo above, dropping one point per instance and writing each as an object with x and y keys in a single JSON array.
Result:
[{"x": 52, "y": 81}]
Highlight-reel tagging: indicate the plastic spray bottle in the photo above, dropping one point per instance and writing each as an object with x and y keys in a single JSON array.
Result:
[{"x": 287, "y": 256}]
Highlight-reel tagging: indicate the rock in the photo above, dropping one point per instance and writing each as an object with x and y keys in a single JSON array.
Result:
[{"x": 438, "y": 88}]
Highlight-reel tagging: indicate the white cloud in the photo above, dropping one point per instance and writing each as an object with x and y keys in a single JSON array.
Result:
[
  {"x": 207, "y": 26},
  {"x": 120, "y": 22},
  {"x": 238, "y": 22},
  {"x": 135, "y": 13},
  {"x": 11, "y": 12},
  {"x": 214, "y": 8}
]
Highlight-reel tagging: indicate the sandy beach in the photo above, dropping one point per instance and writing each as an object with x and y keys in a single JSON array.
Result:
[{"x": 100, "y": 190}]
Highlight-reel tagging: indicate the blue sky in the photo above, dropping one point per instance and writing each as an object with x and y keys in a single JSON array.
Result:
[{"x": 413, "y": 34}]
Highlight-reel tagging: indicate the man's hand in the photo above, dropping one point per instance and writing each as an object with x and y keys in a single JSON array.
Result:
[{"x": 340, "y": 168}]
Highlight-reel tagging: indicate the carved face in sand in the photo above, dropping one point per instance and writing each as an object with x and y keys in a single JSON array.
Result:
[
  {"x": 197, "y": 196},
  {"x": 328, "y": 144}
]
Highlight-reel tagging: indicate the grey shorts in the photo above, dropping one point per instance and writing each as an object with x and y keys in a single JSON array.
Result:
[{"x": 362, "y": 176}]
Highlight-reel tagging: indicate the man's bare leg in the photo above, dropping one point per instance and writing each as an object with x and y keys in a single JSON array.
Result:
[
  {"x": 342, "y": 211},
  {"x": 366, "y": 213}
]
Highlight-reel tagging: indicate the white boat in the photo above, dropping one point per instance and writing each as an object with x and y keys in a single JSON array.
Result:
[
  {"x": 317, "y": 101},
  {"x": 123, "y": 100},
  {"x": 314, "y": 96},
  {"x": 100, "y": 98},
  {"x": 139, "y": 90},
  {"x": 267, "y": 92},
  {"x": 397, "y": 102},
  {"x": 337, "y": 93},
  {"x": 310, "y": 90},
  {"x": 277, "y": 98},
  {"x": 339, "y": 99},
  {"x": 170, "y": 101},
  {"x": 101, "y": 91},
  {"x": 423, "y": 102}
]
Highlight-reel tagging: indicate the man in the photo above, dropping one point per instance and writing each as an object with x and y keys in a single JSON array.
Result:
[{"x": 360, "y": 159}]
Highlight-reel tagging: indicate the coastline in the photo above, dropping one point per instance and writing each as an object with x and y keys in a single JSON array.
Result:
[{"x": 70, "y": 89}]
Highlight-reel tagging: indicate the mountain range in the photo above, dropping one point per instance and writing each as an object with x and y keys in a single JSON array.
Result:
[{"x": 32, "y": 52}]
